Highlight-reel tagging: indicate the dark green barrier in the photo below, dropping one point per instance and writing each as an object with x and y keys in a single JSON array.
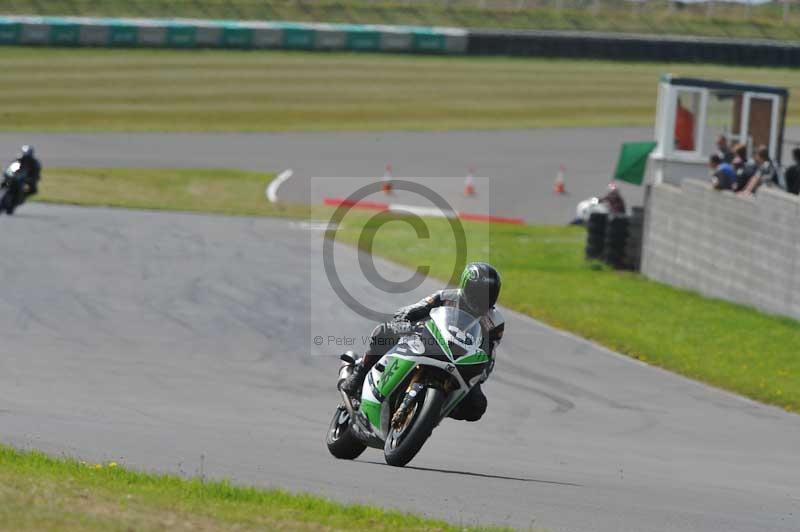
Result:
[
  {"x": 633, "y": 48},
  {"x": 123, "y": 35},
  {"x": 298, "y": 39},
  {"x": 71, "y": 31},
  {"x": 237, "y": 38},
  {"x": 9, "y": 32},
  {"x": 65, "y": 34},
  {"x": 181, "y": 36}
]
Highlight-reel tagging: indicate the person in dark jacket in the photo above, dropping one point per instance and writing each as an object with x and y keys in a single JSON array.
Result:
[
  {"x": 31, "y": 167},
  {"x": 744, "y": 167},
  {"x": 766, "y": 173},
  {"x": 723, "y": 176},
  {"x": 793, "y": 174},
  {"x": 724, "y": 150},
  {"x": 616, "y": 205}
]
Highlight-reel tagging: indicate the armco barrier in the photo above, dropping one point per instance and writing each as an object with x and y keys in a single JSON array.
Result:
[
  {"x": 633, "y": 47},
  {"x": 189, "y": 33}
]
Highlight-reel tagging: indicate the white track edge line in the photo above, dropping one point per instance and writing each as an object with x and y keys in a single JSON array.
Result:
[{"x": 272, "y": 189}]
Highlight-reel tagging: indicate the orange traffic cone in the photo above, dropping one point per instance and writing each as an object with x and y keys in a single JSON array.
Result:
[
  {"x": 469, "y": 183},
  {"x": 558, "y": 185},
  {"x": 387, "y": 180}
]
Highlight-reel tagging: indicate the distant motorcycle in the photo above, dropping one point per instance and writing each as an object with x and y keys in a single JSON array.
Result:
[
  {"x": 586, "y": 208},
  {"x": 14, "y": 188}
]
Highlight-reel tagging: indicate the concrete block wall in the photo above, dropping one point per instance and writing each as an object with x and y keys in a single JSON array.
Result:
[{"x": 745, "y": 250}]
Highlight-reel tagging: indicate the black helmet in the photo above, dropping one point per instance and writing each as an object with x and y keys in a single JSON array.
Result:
[
  {"x": 479, "y": 287},
  {"x": 26, "y": 151}
]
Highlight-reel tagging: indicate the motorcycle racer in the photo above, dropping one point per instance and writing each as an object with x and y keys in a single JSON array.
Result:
[
  {"x": 477, "y": 294},
  {"x": 31, "y": 167}
]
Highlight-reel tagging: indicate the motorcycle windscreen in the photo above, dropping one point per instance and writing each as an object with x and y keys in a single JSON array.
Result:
[{"x": 460, "y": 333}]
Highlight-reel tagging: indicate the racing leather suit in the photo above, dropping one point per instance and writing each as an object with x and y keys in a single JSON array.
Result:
[{"x": 33, "y": 172}]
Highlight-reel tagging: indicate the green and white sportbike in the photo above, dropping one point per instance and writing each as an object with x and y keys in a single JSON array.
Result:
[{"x": 411, "y": 388}]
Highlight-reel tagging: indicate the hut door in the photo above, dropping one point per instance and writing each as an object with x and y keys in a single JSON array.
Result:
[{"x": 760, "y": 125}]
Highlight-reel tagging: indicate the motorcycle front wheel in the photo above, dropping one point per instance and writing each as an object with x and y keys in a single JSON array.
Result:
[
  {"x": 404, "y": 442},
  {"x": 341, "y": 441},
  {"x": 7, "y": 201}
]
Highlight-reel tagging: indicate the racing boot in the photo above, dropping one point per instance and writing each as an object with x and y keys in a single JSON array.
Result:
[{"x": 352, "y": 384}]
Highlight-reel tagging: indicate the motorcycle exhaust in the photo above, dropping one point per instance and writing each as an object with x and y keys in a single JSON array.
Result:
[
  {"x": 349, "y": 361},
  {"x": 347, "y": 404}
]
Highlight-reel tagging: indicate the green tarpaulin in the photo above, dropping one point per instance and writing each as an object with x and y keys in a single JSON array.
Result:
[{"x": 633, "y": 161}]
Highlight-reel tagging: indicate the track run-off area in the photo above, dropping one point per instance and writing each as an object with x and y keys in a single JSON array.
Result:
[
  {"x": 183, "y": 343},
  {"x": 521, "y": 165}
]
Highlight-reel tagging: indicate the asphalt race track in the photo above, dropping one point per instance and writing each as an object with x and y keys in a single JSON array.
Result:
[{"x": 183, "y": 343}]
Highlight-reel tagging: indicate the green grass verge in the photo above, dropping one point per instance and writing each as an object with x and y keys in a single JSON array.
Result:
[
  {"x": 220, "y": 191},
  {"x": 729, "y": 20},
  {"x": 73, "y": 90},
  {"x": 42, "y": 493},
  {"x": 545, "y": 276}
]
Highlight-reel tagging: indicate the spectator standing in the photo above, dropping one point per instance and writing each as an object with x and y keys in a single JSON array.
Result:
[
  {"x": 766, "y": 173},
  {"x": 723, "y": 177},
  {"x": 724, "y": 150},
  {"x": 793, "y": 174},
  {"x": 745, "y": 168}
]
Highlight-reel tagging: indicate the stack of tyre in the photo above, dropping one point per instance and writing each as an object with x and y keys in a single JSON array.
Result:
[
  {"x": 615, "y": 239},
  {"x": 633, "y": 247},
  {"x": 596, "y": 235}
]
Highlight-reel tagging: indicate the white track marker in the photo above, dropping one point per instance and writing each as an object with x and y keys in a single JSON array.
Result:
[
  {"x": 272, "y": 189},
  {"x": 422, "y": 211}
]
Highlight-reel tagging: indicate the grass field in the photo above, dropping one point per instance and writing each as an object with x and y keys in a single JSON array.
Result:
[
  {"x": 727, "y": 345},
  {"x": 149, "y": 90},
  {"x": 655, "y": 16},
  {"x": 39, "y": 493}
]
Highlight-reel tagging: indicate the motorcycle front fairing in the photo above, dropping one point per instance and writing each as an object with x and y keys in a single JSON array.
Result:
[{"x": 449, "y": 341}]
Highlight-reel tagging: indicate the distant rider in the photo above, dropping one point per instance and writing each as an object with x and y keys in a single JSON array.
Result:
[
  {"x": 477, "y": 295},
  {"x": 31, "y": 168}
]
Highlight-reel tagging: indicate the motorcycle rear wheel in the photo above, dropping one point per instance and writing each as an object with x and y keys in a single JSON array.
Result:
[
  {"x": 403, "y": 445},
  {"x": 341, "y": 441}
]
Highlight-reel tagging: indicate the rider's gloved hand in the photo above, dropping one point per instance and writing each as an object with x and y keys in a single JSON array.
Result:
[{"x": 402, "y": 326}]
